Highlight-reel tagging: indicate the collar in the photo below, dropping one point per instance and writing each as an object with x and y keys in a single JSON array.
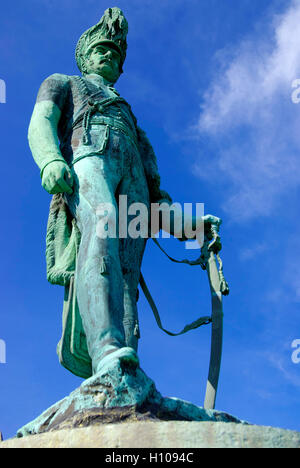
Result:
[{"x": 98, "y": 79}]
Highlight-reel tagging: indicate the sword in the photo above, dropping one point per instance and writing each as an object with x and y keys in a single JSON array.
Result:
[{"x": 218, "y": 287}]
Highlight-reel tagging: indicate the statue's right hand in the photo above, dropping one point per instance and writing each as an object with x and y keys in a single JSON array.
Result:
[{"x": 57, "y": 178}]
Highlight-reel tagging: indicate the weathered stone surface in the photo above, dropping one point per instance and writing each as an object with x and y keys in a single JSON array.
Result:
[{"x": 163, "y": 434}]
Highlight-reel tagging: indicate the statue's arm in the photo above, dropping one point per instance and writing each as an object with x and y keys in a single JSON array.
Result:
[
  {"x": 43, "y": 136},
  {"x": 161, "y": 201},
  {"x": 174, "y": 222}
]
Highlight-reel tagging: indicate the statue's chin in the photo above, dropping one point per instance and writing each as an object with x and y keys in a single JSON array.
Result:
[{"x": 106, "y": 73}]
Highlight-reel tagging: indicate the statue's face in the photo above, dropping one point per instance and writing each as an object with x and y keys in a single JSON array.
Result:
[{"x": 104, "y": 61}]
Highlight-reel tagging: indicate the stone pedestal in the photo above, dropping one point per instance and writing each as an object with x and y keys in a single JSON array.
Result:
[
  {"x": 121, "y": 408},
  {"x": 162, "y": 434}
]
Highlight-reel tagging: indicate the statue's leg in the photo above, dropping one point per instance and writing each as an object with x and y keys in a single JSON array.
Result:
[
  {"x": 134, "y": 186},
  {"x": 99, "y": 279},
  {"x": 131, "y": 253}
]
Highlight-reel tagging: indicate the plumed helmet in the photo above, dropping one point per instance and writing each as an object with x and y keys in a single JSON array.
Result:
[{"x": 112, "y": 30}]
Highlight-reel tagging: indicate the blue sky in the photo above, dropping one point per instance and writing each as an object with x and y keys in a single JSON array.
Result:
[{"x": 211, "y": 84}]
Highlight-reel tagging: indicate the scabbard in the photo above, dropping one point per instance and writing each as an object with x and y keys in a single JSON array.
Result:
[{"x": 216, "y": 333}]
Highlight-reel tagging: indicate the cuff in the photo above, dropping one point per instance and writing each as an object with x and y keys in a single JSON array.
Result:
[{"x": 61, "y": 159}]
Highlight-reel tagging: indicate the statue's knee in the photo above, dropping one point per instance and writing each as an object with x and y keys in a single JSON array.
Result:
[{"x": 106, "y": 221}]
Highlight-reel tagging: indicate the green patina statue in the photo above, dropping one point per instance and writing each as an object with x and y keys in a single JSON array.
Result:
[
  {"x": 86, "y": 142},
  {"x": 85, "y": 139}
]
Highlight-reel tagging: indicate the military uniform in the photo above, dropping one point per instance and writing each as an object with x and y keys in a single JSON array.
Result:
[{"x": 110, "y": 156}]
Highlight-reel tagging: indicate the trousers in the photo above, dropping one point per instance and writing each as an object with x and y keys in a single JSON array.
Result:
[{"x": 108, "y": 269}]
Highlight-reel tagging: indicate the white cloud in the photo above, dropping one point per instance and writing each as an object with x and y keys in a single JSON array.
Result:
[
  {"x": 285, "y": 292},
  {"x": 250, "y": 252},
  {"x": 248, "y": 111},
  {"x": 283, "y": 365}
]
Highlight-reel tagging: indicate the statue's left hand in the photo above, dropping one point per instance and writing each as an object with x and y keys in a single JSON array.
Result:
[
  {"x": 211, "y": 224},
  {"x": 57, "y": 178},
  {"x": 211, "y": 220}
]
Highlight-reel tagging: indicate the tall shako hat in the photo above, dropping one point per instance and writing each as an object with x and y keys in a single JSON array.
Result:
[{"x": 112, "y": 30}]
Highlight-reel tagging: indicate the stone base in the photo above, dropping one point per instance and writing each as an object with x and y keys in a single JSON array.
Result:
[
  {"x": 121, "y": 408},
  {"x": 117, "y": 396},
  {"x": 162, "y": 434}
]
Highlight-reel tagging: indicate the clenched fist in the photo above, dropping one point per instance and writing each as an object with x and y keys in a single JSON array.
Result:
[{"x": 57, "y": 178}]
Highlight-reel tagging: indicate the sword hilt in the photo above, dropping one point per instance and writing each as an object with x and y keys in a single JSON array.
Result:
[{"x": 215, "y": 244}]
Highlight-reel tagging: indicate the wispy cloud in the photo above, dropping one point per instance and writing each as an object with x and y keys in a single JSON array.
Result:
[
  {"x": 285, "y": 292},
  {"x": 250, "y": 252},
  {"x": 291, "y": 270},
  {"x": 284, "y": 367},
  {"x": 249, "y": 114}
]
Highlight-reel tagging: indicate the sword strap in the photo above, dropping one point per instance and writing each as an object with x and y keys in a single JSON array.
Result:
[{"x": 192, "y": 326}]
